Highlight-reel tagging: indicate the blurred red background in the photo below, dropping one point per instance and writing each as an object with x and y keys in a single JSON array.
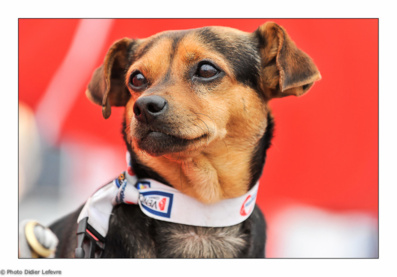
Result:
[{"x": 325, "y": 149}]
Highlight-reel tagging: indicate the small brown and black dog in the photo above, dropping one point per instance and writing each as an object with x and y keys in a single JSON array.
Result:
[{"x": 197, "y": 119}]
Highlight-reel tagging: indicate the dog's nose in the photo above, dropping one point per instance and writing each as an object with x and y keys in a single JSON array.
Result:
[{"x": 148, "y": 108}]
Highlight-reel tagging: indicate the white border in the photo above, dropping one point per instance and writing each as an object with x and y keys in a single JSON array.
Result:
[{"x": 10, "y": 13}]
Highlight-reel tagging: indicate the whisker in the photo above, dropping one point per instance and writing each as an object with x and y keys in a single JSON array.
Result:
[
  {"x": 196, "y": 125},
  {"x": 206, "y": 116},
  {"x": 199, "y": 118},
  {"x": 227, "y": 147},
  {"x": 204, "y": 124}
]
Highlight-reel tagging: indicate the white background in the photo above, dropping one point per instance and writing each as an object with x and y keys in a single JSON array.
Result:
[{"x": 384, "y": 266}]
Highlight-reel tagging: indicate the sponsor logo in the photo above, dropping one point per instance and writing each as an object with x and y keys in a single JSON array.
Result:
[
  {"x": 248, "y": 205},
  {"x": 142, "y": 185},
  {"x": 157, "y": 202},
  {"x": 130, "y": 171}
]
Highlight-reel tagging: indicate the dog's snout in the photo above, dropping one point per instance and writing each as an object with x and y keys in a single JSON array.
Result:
[{"x": 149, "y": 107}]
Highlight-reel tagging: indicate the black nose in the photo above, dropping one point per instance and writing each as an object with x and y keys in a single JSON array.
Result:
[{"x": 147, "y": 108}]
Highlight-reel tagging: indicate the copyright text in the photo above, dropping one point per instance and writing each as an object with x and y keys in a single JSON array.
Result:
[{"x": 30, "y": 272}]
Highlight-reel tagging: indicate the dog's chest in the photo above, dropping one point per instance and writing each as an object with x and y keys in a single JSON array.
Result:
[
  {"x": 200, "y": 242},
  {"x": 147, "y": 238}
]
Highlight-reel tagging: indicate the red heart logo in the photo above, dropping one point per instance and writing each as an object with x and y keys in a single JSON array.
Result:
[
  {"x": 162, "y": 204},
  {"x": 243, "y": 212},
  {"x": 131, "y": 171}
]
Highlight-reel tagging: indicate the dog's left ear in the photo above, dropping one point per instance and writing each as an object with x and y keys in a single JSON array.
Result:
[
  {"x": 285, "y": 70},
  {"x": 107, "y": 87}
]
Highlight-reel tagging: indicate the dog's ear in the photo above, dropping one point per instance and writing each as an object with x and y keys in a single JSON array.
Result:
[
  {"x": 107, "y": 87},
  {"x": 285, "y": 69}
]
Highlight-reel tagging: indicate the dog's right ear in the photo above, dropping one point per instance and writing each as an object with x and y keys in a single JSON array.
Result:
[{"x": 107, "y": 87}]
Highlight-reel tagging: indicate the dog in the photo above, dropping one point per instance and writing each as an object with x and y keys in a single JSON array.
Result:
[{"x": 197, "y": 121}]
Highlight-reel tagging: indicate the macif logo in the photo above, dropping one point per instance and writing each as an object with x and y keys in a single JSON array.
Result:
[
  {"x": 142, "y": 185},
  {"x": 157, "y": 202},
  {"x": 248, "y": 205}
]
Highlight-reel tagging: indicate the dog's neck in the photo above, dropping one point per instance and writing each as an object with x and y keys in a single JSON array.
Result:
[
  {"x": 205, "y": 176},
  {"x": 213, "y": 174}
]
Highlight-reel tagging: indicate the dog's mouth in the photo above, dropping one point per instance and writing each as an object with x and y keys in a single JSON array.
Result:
[{"x": 159, "y": 142}]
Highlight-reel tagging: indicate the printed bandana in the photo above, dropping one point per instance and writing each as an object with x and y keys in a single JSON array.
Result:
[{"x": 165, "y": 203}]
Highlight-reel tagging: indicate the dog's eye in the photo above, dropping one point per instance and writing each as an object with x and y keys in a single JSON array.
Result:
[
  {"x": 206, "y": 71},
  {"x": 138, "y": 81}
]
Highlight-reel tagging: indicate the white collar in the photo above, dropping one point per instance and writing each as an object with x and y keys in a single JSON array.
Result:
[{"x": 165, "y": 203}]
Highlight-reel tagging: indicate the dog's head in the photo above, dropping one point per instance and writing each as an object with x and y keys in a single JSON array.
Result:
[{"x": 201, "y": 96}]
